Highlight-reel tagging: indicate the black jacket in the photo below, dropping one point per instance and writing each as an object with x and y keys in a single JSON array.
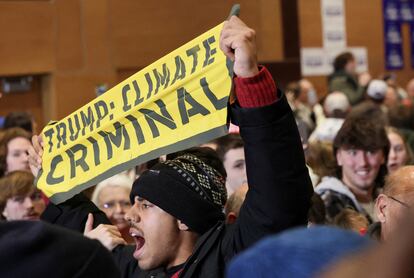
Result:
[
  {"x": 278, "y": 198},
  {"x": 73, "y": 213}
]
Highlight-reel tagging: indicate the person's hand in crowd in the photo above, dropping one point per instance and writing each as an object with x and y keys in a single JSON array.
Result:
[
  {"x": 238, "y": 42},
  {"x": 364, "y": 78},
  {"x": 35, "y": 154},
  {"x": 108, "y": 235}
]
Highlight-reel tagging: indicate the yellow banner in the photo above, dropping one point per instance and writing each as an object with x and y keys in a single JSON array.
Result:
[{"x": 173, "y": 104}]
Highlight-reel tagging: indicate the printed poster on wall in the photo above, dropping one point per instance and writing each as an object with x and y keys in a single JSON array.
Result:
[
  {"x": 318, "y": 61},
  {"x": 394, "y": 59},
  {"x": 333, "y": 24}
]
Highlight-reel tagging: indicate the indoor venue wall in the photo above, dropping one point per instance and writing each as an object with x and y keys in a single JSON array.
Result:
[
  {"x": 364, "y": 27},
  {"x": 72, "y": 46}
]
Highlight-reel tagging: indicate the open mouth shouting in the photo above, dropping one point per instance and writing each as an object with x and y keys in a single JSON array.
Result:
[{"x": 139, "y": 242}]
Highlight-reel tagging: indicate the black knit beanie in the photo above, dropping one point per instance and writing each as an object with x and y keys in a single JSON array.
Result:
[{"x": 187, "y": 188}]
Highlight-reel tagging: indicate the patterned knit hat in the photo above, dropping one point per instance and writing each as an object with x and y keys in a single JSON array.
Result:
[{"x": 187, "y": 188}]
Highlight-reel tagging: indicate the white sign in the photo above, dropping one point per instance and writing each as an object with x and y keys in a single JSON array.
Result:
[
  {"x": 314, "y": 61},
  {"x": 333, "y": 23},
  {"x": 319, "y": 61}
]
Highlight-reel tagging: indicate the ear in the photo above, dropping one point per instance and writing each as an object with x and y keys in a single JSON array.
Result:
[
  {"x": 231, "y": 218},
  {"x": 339, "y": 157},
  {"x": 182, "y": 226},
  {"x": 381, "y": 207}
]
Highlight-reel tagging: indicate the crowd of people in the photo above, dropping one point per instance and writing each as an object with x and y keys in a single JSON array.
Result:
[{"x": 306, "y": 188}]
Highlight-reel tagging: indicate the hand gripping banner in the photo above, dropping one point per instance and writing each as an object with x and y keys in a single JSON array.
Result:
[{"x": 173, "y": 104}]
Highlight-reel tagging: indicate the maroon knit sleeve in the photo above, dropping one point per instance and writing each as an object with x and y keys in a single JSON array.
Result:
[{"x": 256, "y": 91}]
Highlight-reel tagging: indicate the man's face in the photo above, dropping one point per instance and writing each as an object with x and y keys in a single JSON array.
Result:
[
  {"x": 114, "y": 201},
  {"x": 359, "y": 167},
  {"x": 391, "y": 210},
  {"x": 391, "y": 97},
  {"x": 17, "y": 154},
  {"x": 24, "y": 207},
  {"x": 351, "y": 66},
  {"x": 235, "y": 166},
  {"x": 156, "y": 234}
]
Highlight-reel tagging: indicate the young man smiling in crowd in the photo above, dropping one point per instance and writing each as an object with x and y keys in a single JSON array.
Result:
[
  {"x": 360, "y": 147},
  {"x": 177, "y": 217}
]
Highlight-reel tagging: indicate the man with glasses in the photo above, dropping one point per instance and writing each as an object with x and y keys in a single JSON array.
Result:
[{"x": 394, "y": 202}]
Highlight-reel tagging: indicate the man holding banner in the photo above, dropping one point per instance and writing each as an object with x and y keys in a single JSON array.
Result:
[{"x": 177, "y": 216}]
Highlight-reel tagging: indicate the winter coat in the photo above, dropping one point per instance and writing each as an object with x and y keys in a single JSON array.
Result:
[
  {"x": 336, "y": 197},
  {"x": 278, "y": 198},
  {"x": 344, "y": 82}
]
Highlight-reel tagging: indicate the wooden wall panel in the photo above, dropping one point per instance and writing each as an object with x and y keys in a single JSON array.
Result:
[
  {"x": 364, "y": 27},
  {"x": 79, "y": 44},
  {"x": 270, "y": 31},
  {"x": 75, "y": 90},
  {"x": 30, "y": 101},
  {"x": 143, "y": 31},
  {"x": 95, "y": 22},
  {"x": 69, "y": 38},
  {"x": 310, "y": 23},
  {"x": 27, "y": 31}
]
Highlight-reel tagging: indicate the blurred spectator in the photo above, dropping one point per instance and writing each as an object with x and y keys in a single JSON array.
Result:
[
  {"x": 37, "y": 250},
  {"x": 308, "y": 95},
  {"x": 370, "y": 112},
  {"x": 402, "y": 117},
  {"x": 410, "y": 88},
  {"x": 19, "y": 198},
  {"x": 230, "y": 149},
  {"x": 376, "y": 91},
  {"x": 320, "y": 158},
  {"x": 397, "y": 197},
  {"x": 299, "y": 253},
  {"x": 303, "y": 98},
  {"x": 391, "y": 80},
  {"x": 302, "y": 114},
  {"x": 14, "y": 144},
  {"x": 317, "y": 211},
  {"x": 312, "y": 101},
  {"x": 350, "y": 219},
  {"x": 20, "y": 119},
  {"x": 393, "y": 258},
  {"x": 344, "y": 78},
  {"x": 234, "y": 203},
  {"x": 361, "y": 149},
  {"x": 400, "y": 152},
  {"x": 112, "y": 197},
  {"x": 391, "y": 97},
  {"x": 336, "y": 106}
]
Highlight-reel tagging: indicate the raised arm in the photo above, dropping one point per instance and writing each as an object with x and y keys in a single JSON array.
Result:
[{"x": 279, "y": 186}]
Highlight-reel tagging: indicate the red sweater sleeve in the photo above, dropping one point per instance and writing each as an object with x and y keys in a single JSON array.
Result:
[{"x": 256, "y": 91}]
